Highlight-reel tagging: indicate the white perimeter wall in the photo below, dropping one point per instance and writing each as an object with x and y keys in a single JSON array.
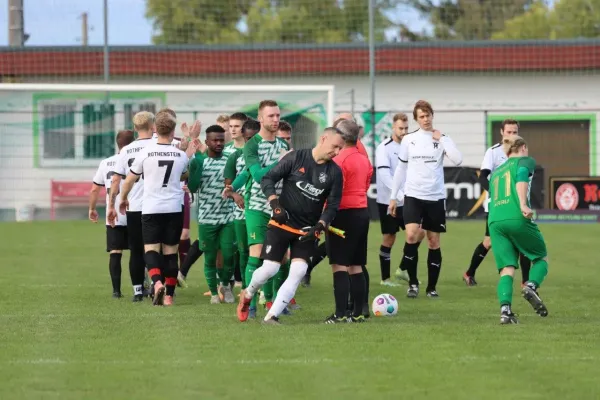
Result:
[{"x": 460, "y": 103}]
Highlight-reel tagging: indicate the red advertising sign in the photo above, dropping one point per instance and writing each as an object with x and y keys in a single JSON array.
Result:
[{"x": 575, "y": 193}]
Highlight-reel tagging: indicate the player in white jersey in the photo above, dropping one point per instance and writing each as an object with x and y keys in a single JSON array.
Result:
[
  {"x": 162, "y": 167},
  {"x": 143, "y": 124},
  {"x": 493, "y": 158},
  {"x": 386, "y": 161},
  {"x": 421, "y": 173},
  {"x": 116, "y": 237}
]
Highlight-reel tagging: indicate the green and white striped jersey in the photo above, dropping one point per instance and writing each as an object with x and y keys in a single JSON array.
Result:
[
  {"x": 235, "y": 165},
  {"x": 207, "y": 177},
  {"x": 260, "y": 155}
]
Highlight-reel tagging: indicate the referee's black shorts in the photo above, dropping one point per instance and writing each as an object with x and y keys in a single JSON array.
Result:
[
  {"x": 351, "y": 250},
  {"x": 116, "y": 238},
  {"x": 430, "y": 214},
  {"x": 134, "y": 231},
  {"x": 390, "y": 225}
]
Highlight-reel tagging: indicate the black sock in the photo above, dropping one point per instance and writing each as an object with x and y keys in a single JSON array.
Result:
[
  {"x": 409, "y": 259},
  {"x": 137, "y": 267},
  {"x": 184, "y": 247},
  {"x": 478, "y": 256},
  {"x": 384, "y": 262},
  {"x": 403, "y": 265},
  {"x": 319, "y": 255},
  {"x": 341, "y": 291},
  {"x": 192, "y": 256},
  {"x": 357, "y": 288},
  {"x": 367, "y": 282},
  {"x": 434, "y": 265},
  {"x": 525, "y": 267},
  {"x": 170, "y": 273},
  {"x": 114, "y": 268}
]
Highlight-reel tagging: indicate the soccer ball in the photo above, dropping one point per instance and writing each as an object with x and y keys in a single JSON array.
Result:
[{"x": 385, "y": 305}]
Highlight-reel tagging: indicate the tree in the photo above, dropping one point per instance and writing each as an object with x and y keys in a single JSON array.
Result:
[
  {"x": 568, "y": 19},
  {"x": 265, "y": 21},
  {"x": 465, "y": 19}
]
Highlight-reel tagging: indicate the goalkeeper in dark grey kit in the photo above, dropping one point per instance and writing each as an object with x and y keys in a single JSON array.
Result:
[{"x": 310, "y": 178}]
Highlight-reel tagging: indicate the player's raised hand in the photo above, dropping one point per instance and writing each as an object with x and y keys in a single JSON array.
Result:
[
  {"x": 437, "y": 135},
  {"x": 184, "y": 144},
  {"x": 124, "y": 206},
  {"x": 195, "y": 129},
  {"x": 93, "y": 216},
  {"x": 527, "y": 212},
  {"x": 185, "y": 129},
  {"x": 111, "y": 215}
]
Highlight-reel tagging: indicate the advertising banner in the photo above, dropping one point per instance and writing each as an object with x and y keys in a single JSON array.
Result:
[{"x": 575, "y": 193}]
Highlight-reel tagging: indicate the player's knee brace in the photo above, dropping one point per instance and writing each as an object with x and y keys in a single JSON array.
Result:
[{"x": 153, "y": 259}]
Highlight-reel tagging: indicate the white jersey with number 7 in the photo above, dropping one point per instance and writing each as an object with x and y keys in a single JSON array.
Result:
[{"x": 161, "y": 166}]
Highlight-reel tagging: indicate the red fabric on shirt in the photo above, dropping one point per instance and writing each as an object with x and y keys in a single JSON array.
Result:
[
  {"x": 361, "y": 148},
  {"x": 357, "y": 171}
]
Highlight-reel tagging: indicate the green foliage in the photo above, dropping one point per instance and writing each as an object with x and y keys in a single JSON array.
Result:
[{"x": 265, "y": 21}]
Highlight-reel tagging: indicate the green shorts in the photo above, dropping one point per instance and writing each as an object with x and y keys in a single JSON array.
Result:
[
  {"x": 213, "y": 238},
  {"x": 256, "y": 225},
  {"x": 511, "y": 237},
  {"x": 241, "y": 235}
]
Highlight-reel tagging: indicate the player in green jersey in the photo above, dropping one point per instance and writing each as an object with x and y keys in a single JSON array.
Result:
[
  {"x": 215, "y": 214},
  {"x": 512, "y": 229},
  {"x": 261, "y": 153},
  {"x": 234, "y": 167}
]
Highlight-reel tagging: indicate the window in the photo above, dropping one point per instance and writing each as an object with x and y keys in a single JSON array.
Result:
[
  {"x": 58, "y": 127},
  {"x": 98, "y": 131}
]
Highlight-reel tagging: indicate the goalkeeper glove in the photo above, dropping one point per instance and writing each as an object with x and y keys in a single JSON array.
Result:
[
  {"x": 279, "y": 214},
  {"x": 313, "y": 233}
]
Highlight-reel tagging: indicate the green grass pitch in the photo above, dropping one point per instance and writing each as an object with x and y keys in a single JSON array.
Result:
[{"x": 63, "y": 337}]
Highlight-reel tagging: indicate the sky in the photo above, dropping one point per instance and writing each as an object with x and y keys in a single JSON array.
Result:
[{"x": 58, "y": 22}]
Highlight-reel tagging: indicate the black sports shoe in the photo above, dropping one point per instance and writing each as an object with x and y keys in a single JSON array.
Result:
[
  {"x": 413, "y": 291},
  {"x": 530, "y": 294},
  {"x": 306, "y": 281},
  {"x": 117, "y": 295},
  {"x": 138, "y": 298},
  {"x": 432, "y": 293},
  {"x": 469, "y": 280},
  {"x": 333, "y": 319}
]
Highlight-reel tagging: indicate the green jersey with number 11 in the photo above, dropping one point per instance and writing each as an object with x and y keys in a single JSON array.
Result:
[{"x": 505, "y": 204}]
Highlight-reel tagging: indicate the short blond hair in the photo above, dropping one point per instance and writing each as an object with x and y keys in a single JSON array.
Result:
[
  {"x": 143, "y": 121},
  {"x": 221, "y": 119},
  {"x": 512, "y": 144},
  {"x": 165, "y": 124}
]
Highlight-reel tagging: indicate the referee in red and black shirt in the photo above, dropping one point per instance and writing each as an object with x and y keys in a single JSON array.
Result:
[{"x": 348, "y": 255}]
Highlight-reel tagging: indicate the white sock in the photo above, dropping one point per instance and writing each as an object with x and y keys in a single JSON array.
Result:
[
  {"x": 267, "y": 270},
  {"x": 288, "y": 289}
]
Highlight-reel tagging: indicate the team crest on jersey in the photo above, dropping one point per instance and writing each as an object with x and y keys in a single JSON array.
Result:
[
  {"x": 435, "y": 145},
  {"x": 322, "y": 177}
]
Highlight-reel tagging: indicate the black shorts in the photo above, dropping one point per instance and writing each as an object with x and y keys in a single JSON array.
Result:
[
  {"x": 278, "y": 241},
  {"x": 351, "y": 250},
  {"x": 134, "y": 231},
  {"x": 431, "y": 215},
  {"x": 116, "y": 238},
  {"x": 162, "y": 228},
  {"x": 487, "y": 227},
  {"x": 390, "y": 225}
]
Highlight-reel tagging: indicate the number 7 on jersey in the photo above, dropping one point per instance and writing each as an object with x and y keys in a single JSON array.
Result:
[{"x": 169, "y": 165}]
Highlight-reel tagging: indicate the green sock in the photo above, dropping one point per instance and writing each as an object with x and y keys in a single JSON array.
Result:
[
  {"x": 210, "y": 273},
  {"x": 538, "y": 272},
  {"x": 268, "y": 289},
  {"x": 505, "y": 290},
  {"x": 243, "y": 263},
  {"x": 253, "y": 265},
  {"x": 281, "y": 276}
]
